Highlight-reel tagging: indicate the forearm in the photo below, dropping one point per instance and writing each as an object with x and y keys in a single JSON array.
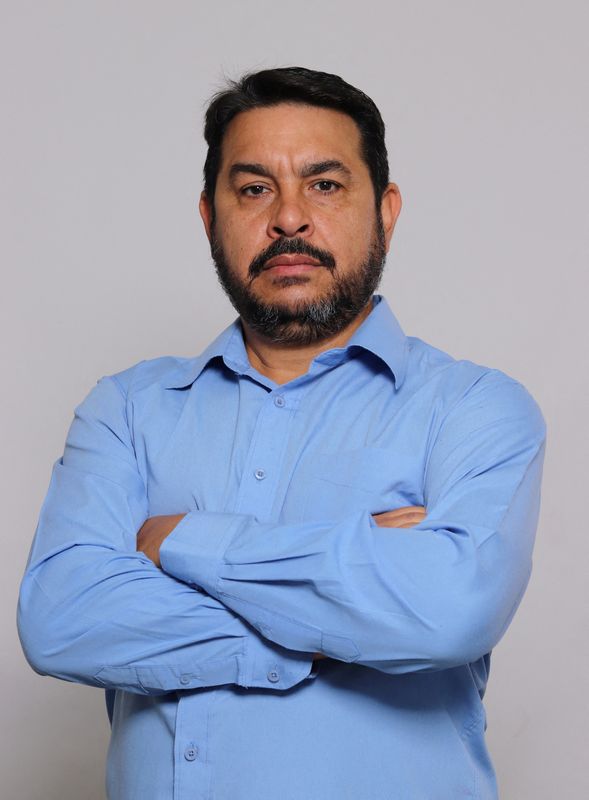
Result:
[
  {"x": 345, "y": 589},
  {"x": 155, "y": 531},
  {"x": 107, "y": 618}
]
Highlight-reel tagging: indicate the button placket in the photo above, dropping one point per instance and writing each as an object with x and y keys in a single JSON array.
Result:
[
  {"x": 263, "y": 466},
  {"x": 191, "y": 742}
]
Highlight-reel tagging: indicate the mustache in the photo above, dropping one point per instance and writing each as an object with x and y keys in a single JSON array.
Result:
[{"x": 292, "y": 246}]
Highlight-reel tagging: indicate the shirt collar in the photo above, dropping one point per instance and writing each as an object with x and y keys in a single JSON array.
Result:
[
  {"x": 189, "y": 369},
  {"x": 380, "y": 334}
]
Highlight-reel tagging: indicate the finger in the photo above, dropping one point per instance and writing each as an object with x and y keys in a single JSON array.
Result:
[
  {"x": 395, "y": 518},
  {"x": 408, "y": 523},
  {"x": 405, "y": 509},
  {"x": 399, "y": 520}
]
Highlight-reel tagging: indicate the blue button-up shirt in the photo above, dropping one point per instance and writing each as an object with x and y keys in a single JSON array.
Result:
[{"x": 208, "y": 662}]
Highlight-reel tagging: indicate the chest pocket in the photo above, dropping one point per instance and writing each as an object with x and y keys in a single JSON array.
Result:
[{"x": 369, "y": 479}]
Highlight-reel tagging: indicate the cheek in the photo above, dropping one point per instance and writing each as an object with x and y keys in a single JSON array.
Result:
[
  {"x": 243, "y": 222},
  {"x": 240, "y": 246},
  {"x": 348, "y": 238}
]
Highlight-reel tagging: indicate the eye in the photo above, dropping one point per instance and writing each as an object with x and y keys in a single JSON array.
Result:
[
  {"x": 255, "y": 190},
  {"x": 327, "y": 187}
]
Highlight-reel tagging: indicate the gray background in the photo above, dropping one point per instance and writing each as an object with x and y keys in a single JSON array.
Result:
[{"x": 105, "y": 263}]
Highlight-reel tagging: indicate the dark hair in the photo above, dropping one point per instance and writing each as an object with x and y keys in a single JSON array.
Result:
[{"x": 296, "y": 85}]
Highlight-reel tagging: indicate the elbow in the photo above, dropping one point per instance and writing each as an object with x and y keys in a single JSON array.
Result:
[
  {"x": 453, "y": 647},
  {"x": 468, "y": 624},
  {"x": 465, "y": 638},
  {"x": 36, "y": 633},
  {"x": 33, "y": 637},
  {"x": 34, "y": 655},
  {"x": 44, "y": 636}
]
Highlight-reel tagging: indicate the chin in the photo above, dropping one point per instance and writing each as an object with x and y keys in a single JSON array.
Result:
[
  {"x": 293, "y": 302},
  {"x": 292, "y": 289}
]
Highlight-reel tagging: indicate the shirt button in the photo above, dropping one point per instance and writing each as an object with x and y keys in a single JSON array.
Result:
[
  {"x": 273, "y": 676},
  {"x": 191, "y": 752},
  {"x": 185, "y": 680},
  {"x": 279, "y": 401},
  {"x": 260, "y": 474}
]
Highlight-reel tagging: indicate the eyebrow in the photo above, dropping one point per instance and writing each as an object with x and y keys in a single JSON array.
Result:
[
  {"x": 319, "y": 167},
  {"x": 307, "y": 170}
]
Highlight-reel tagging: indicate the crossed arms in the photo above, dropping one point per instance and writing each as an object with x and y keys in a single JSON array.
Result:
[
  {"x": 156, "y": 530},
  {"x": 233, "y": 602}
]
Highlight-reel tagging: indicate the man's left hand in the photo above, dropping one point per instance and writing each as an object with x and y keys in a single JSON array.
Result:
[{"x": 153, "y": 532}]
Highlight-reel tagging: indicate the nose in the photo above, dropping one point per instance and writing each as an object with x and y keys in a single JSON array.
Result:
[{"x": 289, "y": 217}]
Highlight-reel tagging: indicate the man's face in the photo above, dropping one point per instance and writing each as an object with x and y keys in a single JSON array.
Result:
[{"x": 297, "y": 239}]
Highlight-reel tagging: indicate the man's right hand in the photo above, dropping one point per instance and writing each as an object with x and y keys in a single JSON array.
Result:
[{"x": 405, "y": 517}]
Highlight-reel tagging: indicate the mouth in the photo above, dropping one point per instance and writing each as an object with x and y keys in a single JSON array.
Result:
[{"x": 291, "y": 264}]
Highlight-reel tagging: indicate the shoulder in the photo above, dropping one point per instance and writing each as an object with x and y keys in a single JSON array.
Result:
[
  {"x": 112, "y": 393},
  {"x": 471, "y": 394},
  {"x": 151, "y": 373}
]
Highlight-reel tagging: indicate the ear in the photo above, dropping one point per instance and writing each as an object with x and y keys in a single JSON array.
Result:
[
  {"x": 206, "y": 213},
  {"x": 390, "y": 207}
]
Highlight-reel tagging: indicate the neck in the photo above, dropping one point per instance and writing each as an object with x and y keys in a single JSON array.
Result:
[{"x": 283, "y": 363}]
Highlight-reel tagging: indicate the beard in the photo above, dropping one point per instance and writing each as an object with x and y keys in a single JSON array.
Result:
[{"x": 307, "y": 321}]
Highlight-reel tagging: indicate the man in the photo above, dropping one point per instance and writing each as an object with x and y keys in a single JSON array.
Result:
[{"x": 287, "y": 560}]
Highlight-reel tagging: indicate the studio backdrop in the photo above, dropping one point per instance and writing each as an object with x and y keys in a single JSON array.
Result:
[{"x": 105, "y": 263}]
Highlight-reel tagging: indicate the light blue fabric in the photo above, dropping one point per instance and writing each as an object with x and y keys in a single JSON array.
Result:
[{"x": 208, "y": 664}]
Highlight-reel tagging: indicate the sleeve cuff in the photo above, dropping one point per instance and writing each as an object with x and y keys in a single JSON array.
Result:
[
  {"x": 269, "y": 666},
  {"x": 194, "y": 550},
  {"x": 261, "y": 666}
]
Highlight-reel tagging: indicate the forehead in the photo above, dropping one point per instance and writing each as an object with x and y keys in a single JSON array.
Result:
[{"x": 292, "y": 132}]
